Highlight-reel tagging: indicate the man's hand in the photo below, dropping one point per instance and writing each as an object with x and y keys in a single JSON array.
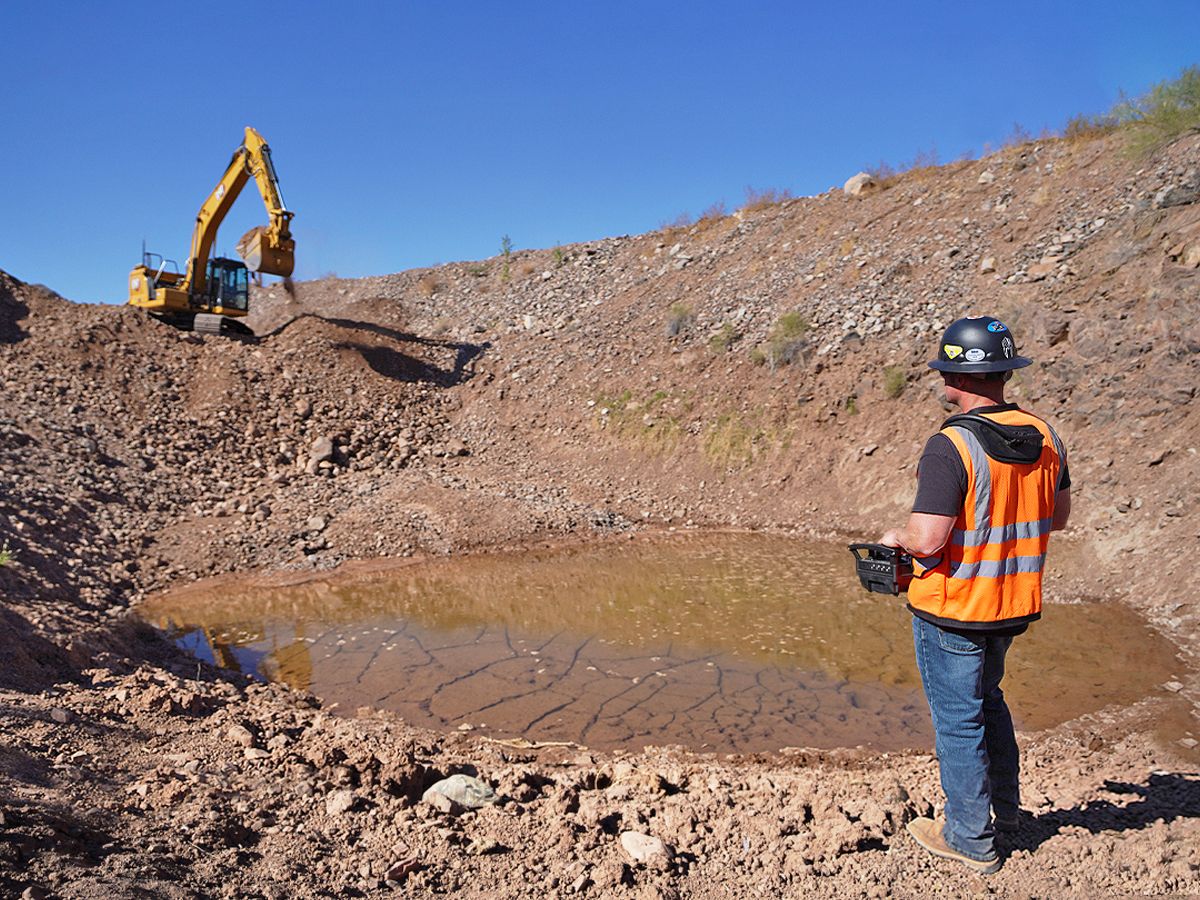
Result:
[{"x": 924, "y": 535}]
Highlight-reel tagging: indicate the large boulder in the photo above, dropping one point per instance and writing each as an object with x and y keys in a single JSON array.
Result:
[{"x": 862, "y": 183}]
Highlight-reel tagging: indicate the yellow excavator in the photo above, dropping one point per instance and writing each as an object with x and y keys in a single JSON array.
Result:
[{"x": 213, "y": 293}]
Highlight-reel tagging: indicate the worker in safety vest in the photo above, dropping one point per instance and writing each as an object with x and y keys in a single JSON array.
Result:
[{"x": 991, "y": 486}]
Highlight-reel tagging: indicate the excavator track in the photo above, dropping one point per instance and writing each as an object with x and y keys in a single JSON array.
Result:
[{"x": 208, "y": 323}]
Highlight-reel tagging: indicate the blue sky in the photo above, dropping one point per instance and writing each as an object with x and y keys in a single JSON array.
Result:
[{"x": 408, "y": 134}]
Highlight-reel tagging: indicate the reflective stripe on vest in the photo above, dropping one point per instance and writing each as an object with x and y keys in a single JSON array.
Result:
[{"x": 990, "y": 570}]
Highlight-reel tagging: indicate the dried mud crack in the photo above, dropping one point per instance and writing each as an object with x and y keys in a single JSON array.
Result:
[{"x": 611, "y": 387}]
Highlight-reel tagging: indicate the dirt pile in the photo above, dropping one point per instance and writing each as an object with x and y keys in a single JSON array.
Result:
[{"x": 764, "y": 369}]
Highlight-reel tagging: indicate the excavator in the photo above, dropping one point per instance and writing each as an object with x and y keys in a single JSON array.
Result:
[{"x": 213, "y": 293}]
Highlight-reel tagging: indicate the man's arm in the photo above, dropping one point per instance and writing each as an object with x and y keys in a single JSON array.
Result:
[
  {"x": 926, "y": 533},
  {"x": 1062, "y": 510}
]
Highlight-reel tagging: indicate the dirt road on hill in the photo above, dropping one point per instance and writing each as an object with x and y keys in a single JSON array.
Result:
[{"x": 642, "y": 382}]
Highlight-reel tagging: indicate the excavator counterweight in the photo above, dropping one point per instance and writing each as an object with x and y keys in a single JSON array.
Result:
[{"x": 215, "y": 287}]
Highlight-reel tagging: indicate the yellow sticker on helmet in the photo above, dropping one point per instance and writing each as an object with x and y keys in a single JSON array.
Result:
[{"x": 951, "y": 350}]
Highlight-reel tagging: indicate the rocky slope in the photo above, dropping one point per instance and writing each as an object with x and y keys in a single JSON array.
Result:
[{"x": 764, "y": 369}]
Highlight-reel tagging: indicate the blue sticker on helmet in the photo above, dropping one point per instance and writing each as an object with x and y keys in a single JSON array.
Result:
[{"x": 996, "y": 326}]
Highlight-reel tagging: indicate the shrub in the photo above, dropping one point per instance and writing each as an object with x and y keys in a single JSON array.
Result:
[
  {"x": 722, "y": 339},
  {"x": 428, "y": 285},
  {"x": 886, "y": 175},
  {"x": 1085, "y": 128},
  {"x": 894, "y": 381},
  {"x": 680, "y": 321},
  {"x": 559, "y": 257},
  {"x": 1167, "y": 111},
  {"x": 6, "y": 555},
  {"x": 756, "y": 200},
  {"x": 506, "y": 254},
  {"x": 787, "y": 340},
  {"x": 713, "y": 214}
]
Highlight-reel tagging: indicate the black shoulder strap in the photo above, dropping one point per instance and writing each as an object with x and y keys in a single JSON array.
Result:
[{"x": 1017, "y": 444}]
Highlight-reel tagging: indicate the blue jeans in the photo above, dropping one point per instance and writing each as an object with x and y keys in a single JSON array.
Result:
[{"x": 976, "y": 747}]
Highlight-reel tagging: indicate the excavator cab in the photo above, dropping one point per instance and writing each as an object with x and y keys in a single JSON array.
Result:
[{"x": 228, "y": 285}]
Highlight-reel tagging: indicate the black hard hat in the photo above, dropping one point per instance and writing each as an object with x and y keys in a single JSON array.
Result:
[{"x": 978, "y": 344}]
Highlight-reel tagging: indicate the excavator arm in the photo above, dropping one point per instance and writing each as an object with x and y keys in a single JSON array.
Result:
[{"x": 270, "y": 249}]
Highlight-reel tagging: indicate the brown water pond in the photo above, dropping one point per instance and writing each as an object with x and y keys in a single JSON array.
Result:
[{"x": 727, "y": 642}]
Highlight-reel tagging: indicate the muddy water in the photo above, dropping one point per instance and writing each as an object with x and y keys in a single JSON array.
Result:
[{"x": 727, "y": 642}]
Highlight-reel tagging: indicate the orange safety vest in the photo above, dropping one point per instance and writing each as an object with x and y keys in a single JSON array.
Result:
[{"x": 990, "y": 570}]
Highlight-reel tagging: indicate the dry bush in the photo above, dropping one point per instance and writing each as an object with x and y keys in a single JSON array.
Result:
[
  {"x": 428, "y": 285},
  {"x": 887, "y": 175},
  {"x": 680, "y": 320},
  {"x": 527, "y": 268},
  {"x": 757, "y": 200},
  {"x": 714, "y": 213},
  {"x": 1087, "y": 128}
]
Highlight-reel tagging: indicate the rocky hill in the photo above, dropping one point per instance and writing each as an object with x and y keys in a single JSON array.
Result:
[{"x": 764, "y": 369}]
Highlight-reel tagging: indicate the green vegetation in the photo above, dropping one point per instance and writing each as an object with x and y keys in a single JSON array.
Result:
[
  {"x": 6, "y": 555},
  {"x": 852, "y": 405},
  {"x": 735, "y": 441},
  {"x": 559, "y": 257},
  {"x": 723, "y": 339},
  {"x": 655, "y": 423},
  {"x": 1167, "y": 111},
  {"x": 681, "y": 319},
  {"x": 506, "y": 254},
  {"x": 476, "y": 270},
  {"x": 786, "y": 342},
  {"x": 894, "y": 381}
]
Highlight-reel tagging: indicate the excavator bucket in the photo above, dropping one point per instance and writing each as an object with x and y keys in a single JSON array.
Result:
[{"x": 255, "y": 248}]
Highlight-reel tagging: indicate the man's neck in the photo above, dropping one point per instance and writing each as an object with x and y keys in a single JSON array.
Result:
[{"x": 970, "y": 402}]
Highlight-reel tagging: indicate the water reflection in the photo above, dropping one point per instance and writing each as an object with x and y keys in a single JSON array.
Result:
[{"x": 725, "y": 642}]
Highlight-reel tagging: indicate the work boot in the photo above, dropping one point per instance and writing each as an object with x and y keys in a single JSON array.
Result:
[{"x": 928, "y": 833}]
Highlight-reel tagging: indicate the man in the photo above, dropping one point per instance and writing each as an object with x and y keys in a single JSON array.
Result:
[{"x": 991, "y": 486}]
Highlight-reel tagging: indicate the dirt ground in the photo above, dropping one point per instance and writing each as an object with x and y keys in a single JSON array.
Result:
[{"x": 763, "y": 370}]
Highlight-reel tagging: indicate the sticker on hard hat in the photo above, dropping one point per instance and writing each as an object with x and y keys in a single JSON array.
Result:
[
  {"x": 996, "y": 327},
  {"x": 975, "y": 354},
  {"x": 951, "y": 350},
  {"x": 1009, "y": 349}
]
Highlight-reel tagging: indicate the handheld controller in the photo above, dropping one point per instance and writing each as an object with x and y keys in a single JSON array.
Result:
[{"x": 881, "y": 569}]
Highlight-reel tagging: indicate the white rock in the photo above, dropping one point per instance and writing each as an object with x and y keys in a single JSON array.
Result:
[
  {"x": 860, "y": 184},
  {"x": 986, "y": 178},
  {"x": 462, "y": 789},
  {"x": 643, "y": 847},
  {"x": 987, "y": 264},
  {"x": 339, "y": 802}
]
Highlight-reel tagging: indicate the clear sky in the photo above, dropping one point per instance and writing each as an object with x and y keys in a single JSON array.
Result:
[{"x": 407, "y": 134}]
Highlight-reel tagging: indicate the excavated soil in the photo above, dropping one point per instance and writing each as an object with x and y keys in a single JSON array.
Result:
[{"x": 639, "y": 383}]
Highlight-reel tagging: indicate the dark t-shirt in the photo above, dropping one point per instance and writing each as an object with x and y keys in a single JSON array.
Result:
[{"x": 942, "y": 487}]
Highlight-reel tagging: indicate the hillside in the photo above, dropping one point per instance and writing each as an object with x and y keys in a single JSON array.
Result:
[{"x": 761, "y": 370}]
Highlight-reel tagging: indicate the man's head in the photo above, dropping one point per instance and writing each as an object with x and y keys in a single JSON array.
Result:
[{"x": 976, "y": 357}]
